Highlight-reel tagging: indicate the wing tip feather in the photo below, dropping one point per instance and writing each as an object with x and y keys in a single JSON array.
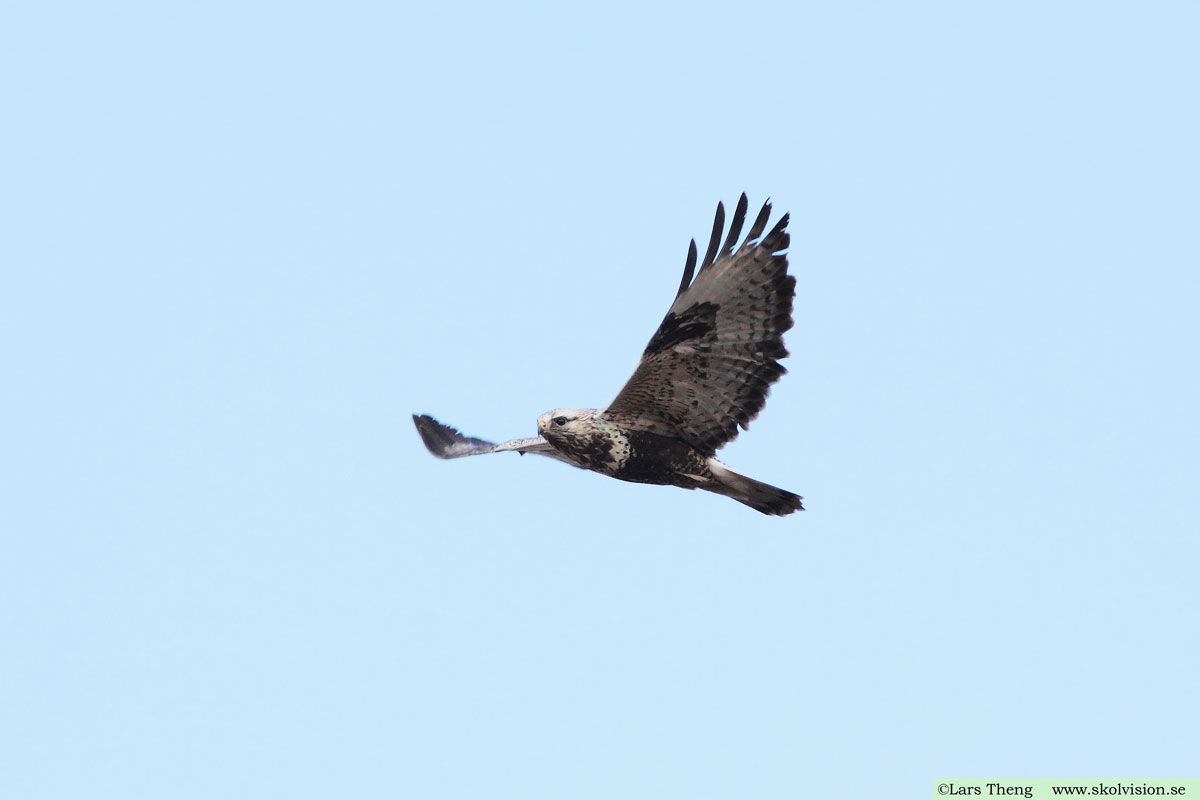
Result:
[
  {"x": 715, "y": 240},
  {"x": 735, "y": 227},
  {"x": 689, "y": 269},
  {"x": 445, "y": 441}
]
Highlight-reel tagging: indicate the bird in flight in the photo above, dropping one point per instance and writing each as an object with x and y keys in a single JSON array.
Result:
[{"x": 705, "y": 372}]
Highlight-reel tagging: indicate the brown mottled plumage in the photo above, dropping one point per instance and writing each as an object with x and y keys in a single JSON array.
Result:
[{"x": 705, "y": 372}]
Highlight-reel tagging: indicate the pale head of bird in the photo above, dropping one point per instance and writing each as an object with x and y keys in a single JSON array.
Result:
[{"x": 566, "y": 423}]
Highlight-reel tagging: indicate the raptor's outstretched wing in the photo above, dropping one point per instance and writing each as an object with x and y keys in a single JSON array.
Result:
[
  {"x": 709, "y": 365},
  {"x": 446, "y": 442}
]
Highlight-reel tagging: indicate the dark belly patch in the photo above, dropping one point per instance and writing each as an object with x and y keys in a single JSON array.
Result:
[{"x": 662, "y": 460}]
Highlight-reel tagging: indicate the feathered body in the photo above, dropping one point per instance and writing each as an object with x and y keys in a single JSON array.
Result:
[
  {"x": 705, "y": 374},
  {"x": 589, "y": 439}
]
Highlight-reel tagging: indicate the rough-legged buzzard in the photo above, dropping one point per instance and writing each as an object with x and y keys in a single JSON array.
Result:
[{"x": 706, "y": 371}]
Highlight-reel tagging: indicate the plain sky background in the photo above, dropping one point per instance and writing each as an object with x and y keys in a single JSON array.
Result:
[{"x": 241, "y": 243}]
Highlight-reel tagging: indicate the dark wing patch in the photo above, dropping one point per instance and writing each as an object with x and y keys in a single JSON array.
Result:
[
  {"x": 694, "y": 322},
  {"x": 708, "y": 368}
]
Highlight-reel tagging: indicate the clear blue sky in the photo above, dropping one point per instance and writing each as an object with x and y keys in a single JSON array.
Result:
[{"x": 241, "y": 243}]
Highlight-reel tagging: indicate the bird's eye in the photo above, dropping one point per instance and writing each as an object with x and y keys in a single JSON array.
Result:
[{"x": 559, "y": 420}]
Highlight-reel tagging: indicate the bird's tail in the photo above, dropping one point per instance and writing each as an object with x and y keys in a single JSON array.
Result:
[{"x": 759, "y": 496}]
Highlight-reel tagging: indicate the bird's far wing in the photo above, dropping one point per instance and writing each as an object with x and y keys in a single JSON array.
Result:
[
  {"x": 446, "y": 442},
  {"x": 708, "y": 367}
]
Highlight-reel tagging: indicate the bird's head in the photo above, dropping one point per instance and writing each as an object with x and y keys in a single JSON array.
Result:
[{"x": 563, "y": 423}]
